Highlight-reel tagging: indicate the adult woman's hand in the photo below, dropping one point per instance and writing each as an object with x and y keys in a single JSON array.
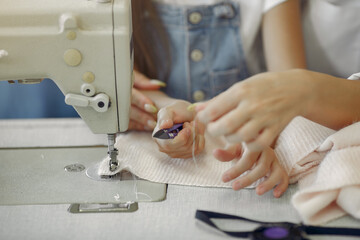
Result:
[
  {"x": 256, "y": 110},
  {"x": 143, "y": 110}
]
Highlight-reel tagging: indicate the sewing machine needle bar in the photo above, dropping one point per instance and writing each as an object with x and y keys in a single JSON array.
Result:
[{"x": 112, "y": 152}]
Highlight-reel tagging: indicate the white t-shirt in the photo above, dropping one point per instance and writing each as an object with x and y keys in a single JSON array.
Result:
[
  {"x": 251, "y": 16},
  {"x": 332, "y": 36}
]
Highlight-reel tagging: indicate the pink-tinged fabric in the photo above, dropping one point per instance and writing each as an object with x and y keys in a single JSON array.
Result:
[{"x": 326, "y": 163}]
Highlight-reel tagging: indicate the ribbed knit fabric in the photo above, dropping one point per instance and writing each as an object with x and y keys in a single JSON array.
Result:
[
  {"x": 296, "y": 145},
  {"x": 326, "y": 164},
  {"x": 139, "y": 154}
]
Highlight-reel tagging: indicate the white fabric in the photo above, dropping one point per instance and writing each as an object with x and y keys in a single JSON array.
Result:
[
  {"x": 61, "y": 133},
  {"x": 332, "y": 36},
  {"x": 251, "y": 16},
  {"x": 145, "y": 161},
  {"x": 327, "y": 165}
]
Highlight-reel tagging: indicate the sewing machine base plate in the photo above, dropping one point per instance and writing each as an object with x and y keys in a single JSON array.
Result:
[{"x": 58, "y": 176}]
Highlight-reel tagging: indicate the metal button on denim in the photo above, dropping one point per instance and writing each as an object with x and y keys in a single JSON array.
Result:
[
  {"x": 198, "y": 95},
  {"x": 196, "y": 55},
  {"x": 195, "y": 17}
]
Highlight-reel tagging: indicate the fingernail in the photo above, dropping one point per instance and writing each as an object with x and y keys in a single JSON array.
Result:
[
  {"x": 276, "y": 193},
  {"x": 226, "y": 178},
  {"x": 148, "y": 128},
  {"x": 191, "y": 107},
  {"x": 162, "y": 122},
  {"x": 260, "y": 190},
  {"x": 158, "y": 82},
  {"x": 150, "y": 108},
  {"x": 238, "y": 185},
  {"x": 151, "y": 123}
]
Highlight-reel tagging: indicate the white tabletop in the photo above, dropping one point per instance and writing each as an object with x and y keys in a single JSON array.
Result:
[{"x": 172, "y": 218}]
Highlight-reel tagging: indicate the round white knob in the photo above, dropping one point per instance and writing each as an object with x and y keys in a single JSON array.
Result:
[
  {"x": 3, "y": 53},
  {"x": 88, "y": 89},
  {"x": 72, "y": 57}
]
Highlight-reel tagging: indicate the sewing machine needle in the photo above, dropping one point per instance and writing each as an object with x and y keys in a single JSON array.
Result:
[{"x": 112, "y": 152}]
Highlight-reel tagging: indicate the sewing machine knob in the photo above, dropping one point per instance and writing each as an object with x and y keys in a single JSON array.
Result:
[
  {"x": 72, "y": 57},
  {"x": 99, "y": 102},
  {"x": 88, "y": 89}
]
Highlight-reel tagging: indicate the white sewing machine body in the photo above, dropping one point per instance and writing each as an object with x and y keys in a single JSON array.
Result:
[{"x": 84, "y": 46}]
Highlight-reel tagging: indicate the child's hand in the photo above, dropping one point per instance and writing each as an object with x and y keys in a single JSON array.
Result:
[
  {"x": 266, "y": 164},
  {"x": 182, "y": 145}
]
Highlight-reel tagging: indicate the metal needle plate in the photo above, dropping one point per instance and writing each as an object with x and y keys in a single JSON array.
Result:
[{"x": 37, "y": 176}]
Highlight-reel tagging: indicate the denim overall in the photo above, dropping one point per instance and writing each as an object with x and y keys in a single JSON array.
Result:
[{"x": 205, "y": 47}]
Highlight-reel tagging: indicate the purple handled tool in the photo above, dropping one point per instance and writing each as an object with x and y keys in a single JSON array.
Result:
[{"x": 169, "y": 133}]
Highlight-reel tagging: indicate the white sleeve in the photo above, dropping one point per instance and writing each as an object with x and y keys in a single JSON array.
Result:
[
  {"x": 355, "y": 76},
  {"x": 269, "y": 4}
]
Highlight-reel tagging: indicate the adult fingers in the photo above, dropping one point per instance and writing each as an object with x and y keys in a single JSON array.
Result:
[
  {"x": 264, "y": 139},
  {"x": 248, "y": 132},
  {"x": 144, "y": 83},
  {"x": 228, "y": 154},
  {"x": 142, "y": 102},
  {"x": 218, "y": 106},
  {"x": 137, "y": 126},
  {"x": 143, "y": 118},
  {"x": 229, "y": 122}
]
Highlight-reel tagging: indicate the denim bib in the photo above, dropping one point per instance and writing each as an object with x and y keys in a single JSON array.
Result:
[{"x": 206, "y": 49}]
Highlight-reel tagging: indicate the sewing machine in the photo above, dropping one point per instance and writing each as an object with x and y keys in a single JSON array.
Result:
[{"x": 84, "y": 46}]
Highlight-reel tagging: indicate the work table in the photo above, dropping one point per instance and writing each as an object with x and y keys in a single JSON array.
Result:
[{"x": 172, "y": 218}]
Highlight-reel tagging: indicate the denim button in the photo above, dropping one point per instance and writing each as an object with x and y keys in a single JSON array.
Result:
[
  {"x": 225, "y": 10},
  {"x": 195, "y": 17},
  {"x": 196, "y": 55},
  {"x": 198, "y": 95}
]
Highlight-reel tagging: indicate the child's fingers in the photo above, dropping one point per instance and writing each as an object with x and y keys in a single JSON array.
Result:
[
  {"x": 182, "y": 139},
  {"x": 283, "y": 184},
  {"x": 165, "y": 118},
  {"x": 241, "y": 166},
  {"x": 281, "y": 187},
  {"x": 277, "y": 177},
  {"x": 260, "y": 170}
]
